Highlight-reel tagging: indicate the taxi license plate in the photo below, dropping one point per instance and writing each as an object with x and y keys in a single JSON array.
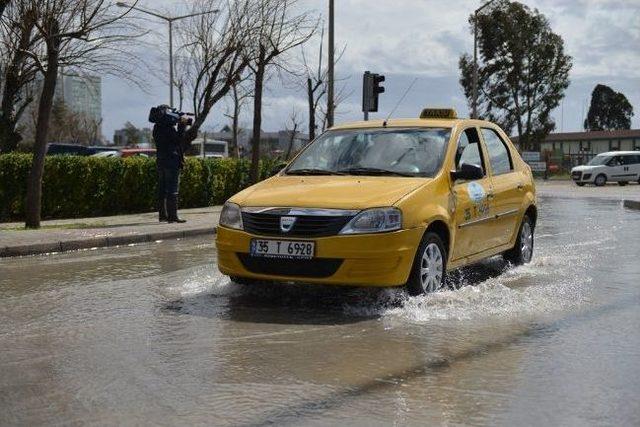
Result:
[{"x": 282, "y": 248}]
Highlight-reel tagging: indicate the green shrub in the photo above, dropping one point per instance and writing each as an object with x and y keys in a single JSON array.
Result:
[{"x": 75, "y": 187}]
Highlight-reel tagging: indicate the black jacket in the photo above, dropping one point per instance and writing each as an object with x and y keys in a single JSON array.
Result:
[{"x": 168, "y": 140}]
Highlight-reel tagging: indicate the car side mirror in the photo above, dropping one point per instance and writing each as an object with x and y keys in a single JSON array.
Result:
[
  {"x": 278, "y": 167},
  {"x": 468, "y": 172}
]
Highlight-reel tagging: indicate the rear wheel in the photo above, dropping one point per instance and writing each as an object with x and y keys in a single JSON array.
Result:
[
  {"x": 522, "y": 252},
  {"x": 600, "y": 180},
  {"x": 429, "y": 269},
  {"x": 622, "y": 183}
]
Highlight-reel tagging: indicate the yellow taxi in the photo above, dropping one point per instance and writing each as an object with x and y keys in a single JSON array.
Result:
[{"x": 384, "y": 203}]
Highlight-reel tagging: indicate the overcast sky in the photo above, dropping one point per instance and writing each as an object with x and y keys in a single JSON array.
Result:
[{"x": 423, "y": 39}]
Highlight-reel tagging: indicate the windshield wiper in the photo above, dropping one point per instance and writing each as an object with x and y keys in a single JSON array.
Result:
[
  {"x": 310, "y": 171},
  {"x": 374, "y": 171}
]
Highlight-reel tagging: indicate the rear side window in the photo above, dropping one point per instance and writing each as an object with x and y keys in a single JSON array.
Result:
[
  {"x": 631, "y": 159},
  {"x": 468, "y": 150},
  {"x": 499, "y": 155}
]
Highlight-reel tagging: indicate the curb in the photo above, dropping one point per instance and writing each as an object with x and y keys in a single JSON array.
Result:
[
  {"x": 100, "y": 242},
  {"x": 631, "y": 204}
]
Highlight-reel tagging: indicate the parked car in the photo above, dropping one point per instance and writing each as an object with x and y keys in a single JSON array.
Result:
[
  {"x": 384, "y": 203},
  {"x": 111, "y": 153},
  {"x": 56, "y": 148},
  {"x": 615, "y": 166}
]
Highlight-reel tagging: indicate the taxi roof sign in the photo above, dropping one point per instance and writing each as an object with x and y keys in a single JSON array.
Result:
[{"x": 438, "y": 113}]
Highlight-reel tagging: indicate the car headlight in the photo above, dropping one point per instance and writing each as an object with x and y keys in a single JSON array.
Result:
[
  {"x": 377, "y": 220},
  {"x": 231, "y": 216}
]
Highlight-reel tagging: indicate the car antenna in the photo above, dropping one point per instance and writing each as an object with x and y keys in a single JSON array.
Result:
[{"x": 384, "y": 124}]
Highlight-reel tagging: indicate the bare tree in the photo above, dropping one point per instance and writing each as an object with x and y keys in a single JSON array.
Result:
[
  {"x": 293, "y": 127},
  {"x": 85, "y": 34},
  {"x": 240, "y": 94},
  {"x": 278, "y": 31},
  {"x": 214, "y": 44},
  {"x": 18, "y": 71},
  {"x": 341, "y": 95}
]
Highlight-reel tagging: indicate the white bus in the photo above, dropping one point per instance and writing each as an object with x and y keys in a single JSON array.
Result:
[{"x": 209, "y": 148}]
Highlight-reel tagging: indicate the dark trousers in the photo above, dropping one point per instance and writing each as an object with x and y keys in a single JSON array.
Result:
[{"x": 168, "y": 186}]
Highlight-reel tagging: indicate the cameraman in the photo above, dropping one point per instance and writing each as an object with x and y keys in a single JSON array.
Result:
[{"x": 169, "y": 160}]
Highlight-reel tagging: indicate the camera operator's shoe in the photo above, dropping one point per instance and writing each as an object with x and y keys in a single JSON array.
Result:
[
  {"x": 172, "y": 209},
  {"x": 163, "y": 219}
]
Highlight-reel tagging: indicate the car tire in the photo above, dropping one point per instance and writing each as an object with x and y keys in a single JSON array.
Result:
[
  {"x": 600, "y": 180},
  {"x": 580, "y": 184},
  {"x": 622, "y": 183},
  {"x": 429, "y": 270},
  {"x": 522, "y": 251}
]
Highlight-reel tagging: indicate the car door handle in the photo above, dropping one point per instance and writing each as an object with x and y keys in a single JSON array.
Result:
[{"x": 520, "y": 186}]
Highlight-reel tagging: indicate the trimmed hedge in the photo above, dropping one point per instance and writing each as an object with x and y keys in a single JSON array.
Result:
[{"x": 76, "y": 187}]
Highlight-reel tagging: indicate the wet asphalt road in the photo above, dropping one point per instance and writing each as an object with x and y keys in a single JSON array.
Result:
[{"x": 153, "y": 334}]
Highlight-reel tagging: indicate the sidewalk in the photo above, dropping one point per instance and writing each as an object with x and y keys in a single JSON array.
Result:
[{"x": 84, "y": 233}]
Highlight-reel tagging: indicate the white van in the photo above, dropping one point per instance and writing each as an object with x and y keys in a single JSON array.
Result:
[{"x": 615, "y": 166}]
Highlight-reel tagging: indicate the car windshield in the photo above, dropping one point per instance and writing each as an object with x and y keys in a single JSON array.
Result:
[
  {"x": 399, "y": 152},
  {"x": 598, "y": 160}
]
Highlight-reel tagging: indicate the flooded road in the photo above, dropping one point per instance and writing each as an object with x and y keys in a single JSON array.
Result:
[{"x": 153, "y": 334}]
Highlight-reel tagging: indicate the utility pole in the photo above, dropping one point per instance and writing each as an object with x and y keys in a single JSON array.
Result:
[
  {"x": 170, "y": 63},
  {"x": 330, "y": 83},
  {"x": 474, "y": 100}
]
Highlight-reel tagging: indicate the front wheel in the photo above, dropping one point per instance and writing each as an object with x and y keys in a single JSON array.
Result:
[
  {"x": 522, "y": 252},
  {"x": 600, "y": 180},
  {"x": 429, "y": 269}
]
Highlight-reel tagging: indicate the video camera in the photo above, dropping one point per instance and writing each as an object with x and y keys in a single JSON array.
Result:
[{"x": 166, "y": 115}]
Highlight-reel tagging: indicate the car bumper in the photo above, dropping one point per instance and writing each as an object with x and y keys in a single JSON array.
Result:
[
  {"x": 383, "y": 259},
  {"x": 581, "y": 177}
]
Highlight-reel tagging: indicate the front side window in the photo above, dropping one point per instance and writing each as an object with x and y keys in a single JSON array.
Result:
[
  {"x": 468, "y": 150},
  {"x": 402, "y": 152},
  {"x": 499, "y": 157},
  {"x": 615, "y": 161}
]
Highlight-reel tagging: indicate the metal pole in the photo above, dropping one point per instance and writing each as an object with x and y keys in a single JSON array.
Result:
[
  {"x": 474, "y": 102},
  {"x": 170, "y": 63},
  {"x": 330, "y": 88}
]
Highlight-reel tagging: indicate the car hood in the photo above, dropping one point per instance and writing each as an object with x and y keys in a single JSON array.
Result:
[
  {"x": 337, "y": 192},
  {"x": 583, "y": 168}
]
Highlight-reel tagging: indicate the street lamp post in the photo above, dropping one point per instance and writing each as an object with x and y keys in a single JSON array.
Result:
[
  {"x": 474, "y": 101},
  {"x": 330, "y": 77},
  {"x": 170, "y": 20}
]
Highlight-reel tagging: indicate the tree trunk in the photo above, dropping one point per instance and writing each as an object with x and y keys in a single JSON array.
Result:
[
  {"x": 292, "y": 139},
  {"x": 235, "y": 149},
  {"x": 312, "y": 112},
  {"x": 257, "y": 122},
  {"x": 34, "y": 184}
]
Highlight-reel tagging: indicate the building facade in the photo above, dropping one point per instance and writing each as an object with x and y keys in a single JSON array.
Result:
[
  {"x": 591, "y": 143},
  {"x": 82, "y": 94}
]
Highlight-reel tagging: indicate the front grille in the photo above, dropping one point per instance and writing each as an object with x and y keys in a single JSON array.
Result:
[
  {"x": 268, "y": 224},
  {"x": 312, "y": 268},
  {"x": 576, "y": 175}
]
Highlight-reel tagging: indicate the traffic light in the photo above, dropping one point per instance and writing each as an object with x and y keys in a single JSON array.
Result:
[
  {"x": 371, "y": 89},
  {"x": 377, "y": 90}
]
